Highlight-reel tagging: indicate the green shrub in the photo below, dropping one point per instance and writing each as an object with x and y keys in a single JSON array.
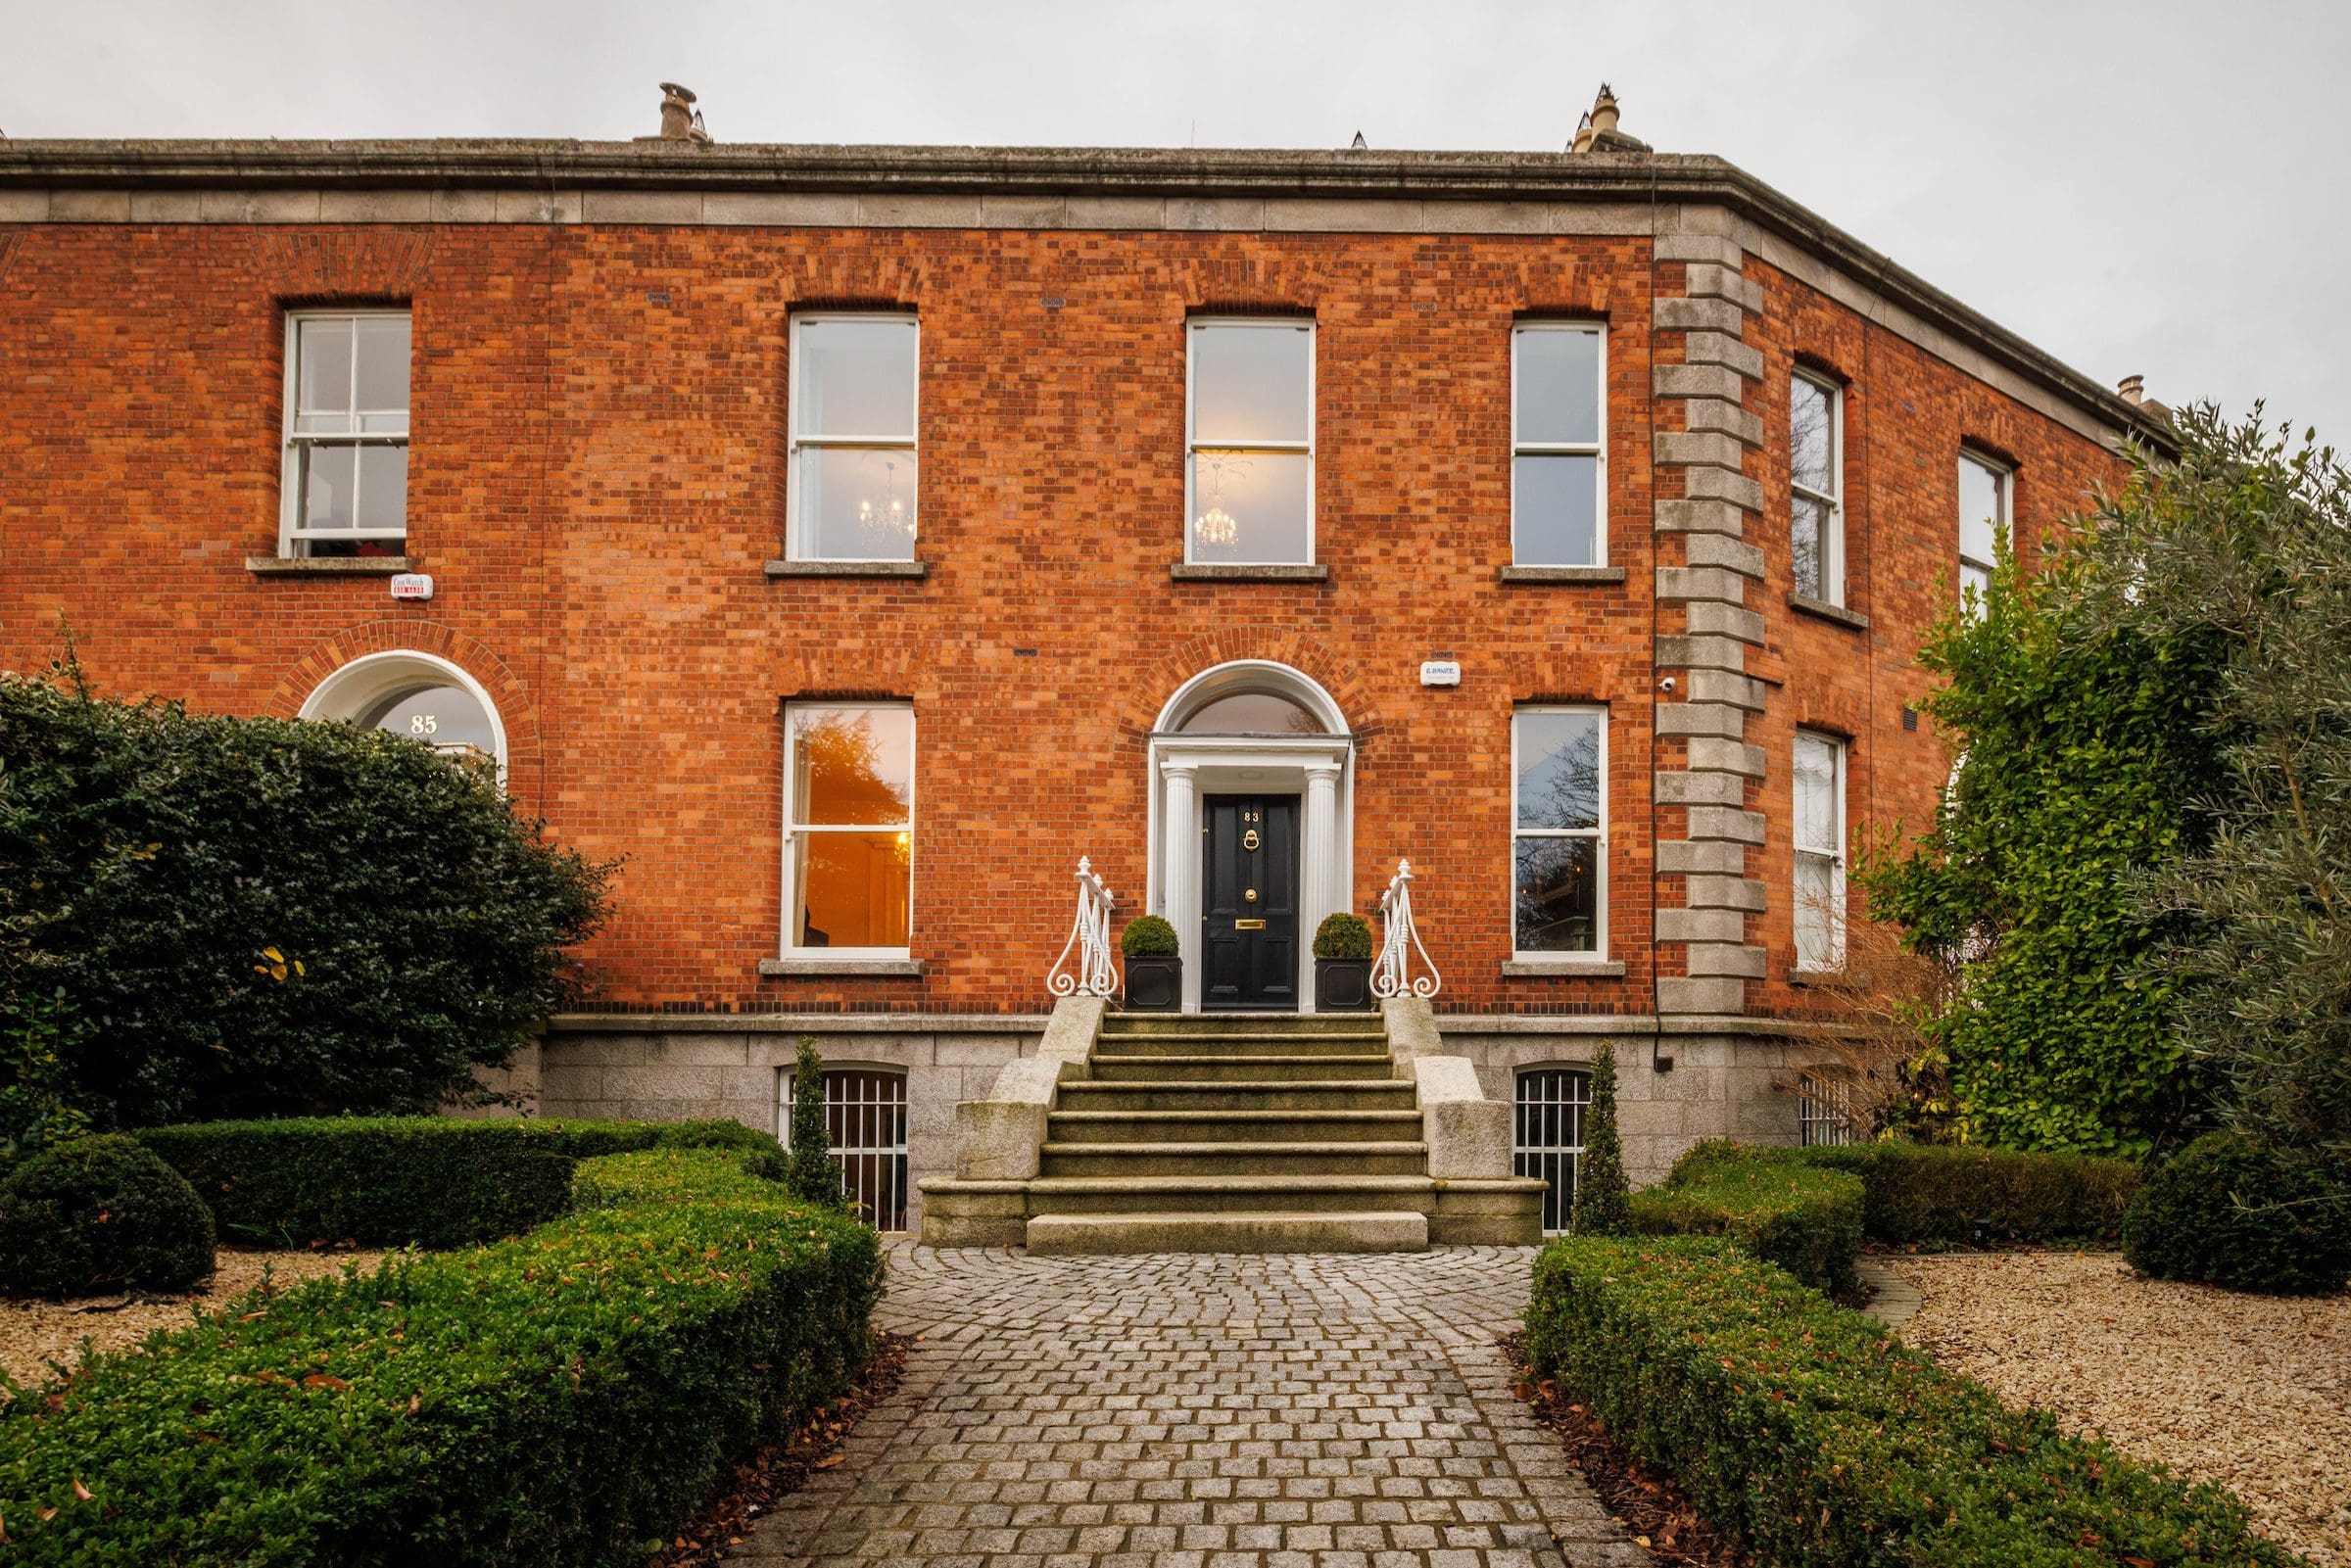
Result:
[
  {"x": 1809, "y": 1435},
  {"x": 1149, "y": 936},
  {"x": 432, "y": 1181},
  {"x": 35, "y": 1100},
  {"x": 566, "y": 1398},
  {"x": 94, "y": 1215},
  {"x": 1343, "y": 936},
  {"x": 2225, "y": 1211},
  {"x": 1942, "y": 1195},
  {"x": 1805, "y": 1220},
  {"x": 260, "y": 917},
  {"x": 808, "y": 1167},
  {"x": 1602, "y": 1195}
]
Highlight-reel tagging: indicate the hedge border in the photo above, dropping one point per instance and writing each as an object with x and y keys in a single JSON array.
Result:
[{"x": 1805, "y": 1220}]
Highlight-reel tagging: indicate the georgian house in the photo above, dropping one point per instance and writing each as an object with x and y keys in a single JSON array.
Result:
[{"x": 856, "y": 537}]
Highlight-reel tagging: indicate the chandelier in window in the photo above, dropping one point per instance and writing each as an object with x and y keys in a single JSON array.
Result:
[
  {"x": 886, "y": 513},
  {"x": 1217, "y": 526}
]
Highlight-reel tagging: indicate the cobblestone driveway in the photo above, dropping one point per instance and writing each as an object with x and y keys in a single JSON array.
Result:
[{"x": 1200, "y": 1412}]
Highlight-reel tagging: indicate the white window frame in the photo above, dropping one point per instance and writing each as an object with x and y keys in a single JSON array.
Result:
[
  {"x": 798, "y": 439},
  {"x": 1832, "y": 545},
  {"x": 1833, "y": 853},
  {"x": 1597, "y": 833},
  {"x": 1192, "y": 447},
  {"x": 793, "y": 827},
  {"x": 2004, "y": 477},
  {"x": 291, "y": 534},
  {"x": 1596, "y": 449}
]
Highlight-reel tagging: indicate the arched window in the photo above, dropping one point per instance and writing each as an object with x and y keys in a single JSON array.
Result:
[
  {"x": 865, "y": 1123},
  {"x": 1548, "y": 1141},
  {"x": 1252, "y": 713},
  {"x": 414, "y": 695}
]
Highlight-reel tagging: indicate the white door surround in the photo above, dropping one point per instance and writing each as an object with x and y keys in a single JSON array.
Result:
[{"x": 1320, "y": 769}]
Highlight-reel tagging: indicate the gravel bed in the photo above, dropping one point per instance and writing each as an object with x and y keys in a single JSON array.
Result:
[
  {"x": 2253, "y": 1393},
  {"x": 35, "y": 1334}
]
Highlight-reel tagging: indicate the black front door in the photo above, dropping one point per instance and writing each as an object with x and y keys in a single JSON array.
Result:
[{"x": 1249, "y": 903}]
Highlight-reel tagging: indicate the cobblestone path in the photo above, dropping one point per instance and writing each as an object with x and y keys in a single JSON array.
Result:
[{"x": 1184, "y": 1411}]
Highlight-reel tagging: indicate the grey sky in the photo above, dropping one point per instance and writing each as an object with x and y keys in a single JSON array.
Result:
[{"x": 2154, "y": 187}]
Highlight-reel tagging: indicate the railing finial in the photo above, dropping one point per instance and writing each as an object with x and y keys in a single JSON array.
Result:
[
  {"x": 1401, "y": 939},
  {"x": 1094, "y": 973}
]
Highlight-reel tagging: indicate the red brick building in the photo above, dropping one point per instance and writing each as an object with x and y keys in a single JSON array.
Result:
[{"x": 854, "y": 538}]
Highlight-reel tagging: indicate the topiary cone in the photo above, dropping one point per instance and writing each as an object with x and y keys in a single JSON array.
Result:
[{"x": 1603, "y": 1198}]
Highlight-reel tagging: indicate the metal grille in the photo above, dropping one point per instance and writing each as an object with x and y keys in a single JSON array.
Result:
[
  {"x": 1824, "y": 1110},
  {"x": 1548, "y": 1137},
  {"x": 865, "y": 1121}
]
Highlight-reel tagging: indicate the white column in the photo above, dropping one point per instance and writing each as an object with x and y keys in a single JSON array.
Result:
[
  {"x": 1180, "y": 864},
  {"x": 1321, "y": 874}
]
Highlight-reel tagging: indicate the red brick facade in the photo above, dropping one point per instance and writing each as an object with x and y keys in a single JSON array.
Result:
[{"x": 596, "y": 476}]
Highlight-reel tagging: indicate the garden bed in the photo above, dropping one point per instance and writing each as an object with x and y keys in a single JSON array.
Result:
[
  {"x": 2253, "y": 1393},
  {"x": 35, "y": 1333}
]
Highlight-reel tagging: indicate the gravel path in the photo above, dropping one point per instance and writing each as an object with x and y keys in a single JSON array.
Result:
[
  {"x": 33, "y": 1333},
  {"x": 2250, "y": 1392}
]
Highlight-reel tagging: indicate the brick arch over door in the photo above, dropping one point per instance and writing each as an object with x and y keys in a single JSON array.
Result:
[
  {"x": 1186, "y": 659},
  {"x": 516, "y": 712}
]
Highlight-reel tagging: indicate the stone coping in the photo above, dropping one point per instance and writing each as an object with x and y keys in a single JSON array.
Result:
[{"x": 1308, "y": 190}]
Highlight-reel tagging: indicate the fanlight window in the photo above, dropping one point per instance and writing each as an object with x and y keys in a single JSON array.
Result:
[
  {"x": 1252, "y": 713},
  {"x": 447, "y": 718}
]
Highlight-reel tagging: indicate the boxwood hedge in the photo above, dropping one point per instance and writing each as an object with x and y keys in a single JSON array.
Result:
[
  {"x": 1936, "y": 1195},
  {"x": 563, "y": 1398},
  {"x": 1812, "y": 1438},
  {"x": 432, "y": 1181},
  {"x": 1803, "y": 1219}
]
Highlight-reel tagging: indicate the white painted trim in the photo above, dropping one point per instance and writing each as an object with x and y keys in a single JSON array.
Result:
[
  {"x": 1596, "y": 449},
  {"x": 291, "y": 442},
  {"x": 785, "y": 946},
  {"x": 1835, "y": 854},
  {"x": 1832, "y": 548},
  {"x": 2004, "y": 476},
  {"x": 371, "y": 677},
  {"x": 1314, "y": 352},
  {"x": 794, "y": 438},
  {"x": 1597, "y": 833}
]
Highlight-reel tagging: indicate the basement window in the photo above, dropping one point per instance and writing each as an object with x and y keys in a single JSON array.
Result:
[
  {"x": 865, "y": 1127},
  {"x": 1547, "y": 1140},
  {"x": 345, "y": 490}
]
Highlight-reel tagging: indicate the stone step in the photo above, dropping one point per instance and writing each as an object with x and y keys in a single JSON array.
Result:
[
  {"x": 1243, "y": 1023},
  {"x": 1232, "y": 1126},
  {"x": 1239, "y": 1069},
  {"x": 1338, "y": 1094},
  {"x": 1125, "y": 1046},
  {"x": 1371, "y": 1231},
  {"x": 1235, "y": 1158},
  {"x": 1218, "y": 1195}
]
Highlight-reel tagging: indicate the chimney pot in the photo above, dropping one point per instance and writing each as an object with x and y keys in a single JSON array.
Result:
[
  {"x": 1603, "y": 111},
  {"x": 677, "y": 115},
  {"x": 2133, "y": 390}
]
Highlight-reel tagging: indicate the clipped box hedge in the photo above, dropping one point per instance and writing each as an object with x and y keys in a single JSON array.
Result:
[
  {"x": 387, "y": 1180},
  {"x": 564, "y": 1397},
  {"x": 1937, "y": 1195},
  {"x": 1812, "y": 1438},
  {"x": 1806, "y": 1220}
]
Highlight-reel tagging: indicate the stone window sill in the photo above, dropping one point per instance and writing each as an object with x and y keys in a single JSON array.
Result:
[
  {"x": 1561, "y": 574},
  {"x": 772, "y": 968},
  {"x": 915, "y": 569},
  {"x": 1225, "y": 572},
  {"x": 327, "y": 565},
  {"x": 1562, "y": 969},
  {"x": 1803, "y": 977},
  {"x": 1805, "y": 603}
]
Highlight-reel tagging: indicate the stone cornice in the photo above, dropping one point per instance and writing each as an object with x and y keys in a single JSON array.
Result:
[{"x": 563, "y": 182}]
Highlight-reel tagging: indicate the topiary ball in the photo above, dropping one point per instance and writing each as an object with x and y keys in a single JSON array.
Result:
[
  {"x": 96, "y": 1215},
  {"x": 1343, "y": 936},
  {"x": 2185, "y": 1221},
  {"x": 1149, "y": 936}
]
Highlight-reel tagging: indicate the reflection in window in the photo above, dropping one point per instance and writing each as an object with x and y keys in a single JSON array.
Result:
[
  {"x": 447, "y": 718},
  {"x": 347, "y": 434},
  {"x": 1252, "y": 713},
  {"x": 1557, "y": 488},
  {"x": 1250, "y": 442},
  {"x": 1816, "y": 518},
  {"x": 1983, "y": 514},
  {"x": 854, "y": 470},
  {"x": 1560, "y": 841},
  {"x": 849, "y": 797},
  {"x": 1819, "y": 834}
]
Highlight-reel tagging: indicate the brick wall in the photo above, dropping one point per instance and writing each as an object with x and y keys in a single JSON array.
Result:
[{"x": 597, "y": 476}]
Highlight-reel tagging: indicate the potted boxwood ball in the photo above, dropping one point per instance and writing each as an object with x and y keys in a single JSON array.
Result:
[
  {"x": 1154, "y": 971},
  {"x": 1343, "y": 963}
]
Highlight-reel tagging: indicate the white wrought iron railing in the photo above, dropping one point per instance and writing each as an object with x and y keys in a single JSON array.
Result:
[
  {"x": 1094, "y": 972},
  {"x": 1391, "y": 976}
]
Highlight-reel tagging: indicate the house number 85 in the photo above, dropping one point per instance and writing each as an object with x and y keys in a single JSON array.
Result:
[{"x": 423, "y": 723}]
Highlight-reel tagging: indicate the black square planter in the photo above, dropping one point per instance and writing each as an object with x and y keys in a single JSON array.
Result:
[
  {"x": 1342, "y": 985},
  {"x": 1155, "y": 985}
]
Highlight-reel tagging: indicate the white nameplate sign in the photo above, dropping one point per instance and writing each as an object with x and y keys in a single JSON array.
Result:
[
  {"x": 1441, "y": 672},
  {"x": 413, "y": 585}
]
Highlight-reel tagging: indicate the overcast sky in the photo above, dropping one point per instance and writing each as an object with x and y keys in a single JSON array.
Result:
[{"x": 2154, "y": 187}]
